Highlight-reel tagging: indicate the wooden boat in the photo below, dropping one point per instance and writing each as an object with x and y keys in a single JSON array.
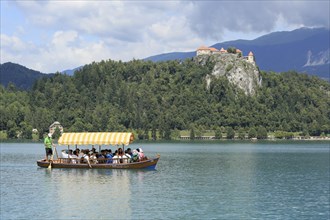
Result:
[{"x": 97, "y": 138}]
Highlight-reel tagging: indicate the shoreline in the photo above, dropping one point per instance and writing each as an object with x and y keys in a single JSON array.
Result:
[{"x": 185, "y": 139}]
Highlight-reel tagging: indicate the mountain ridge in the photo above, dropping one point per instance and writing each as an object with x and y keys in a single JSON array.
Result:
[{"x": 274, "y": 50}]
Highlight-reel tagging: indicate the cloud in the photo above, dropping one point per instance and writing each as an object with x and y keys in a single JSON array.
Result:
[
  {"x": 126, "y": 21},
  {"x": 76, "y": 33},
  {"x": 57, "y": 35},
  {"x": 65, "y": 50},
  {"x": 212, "y": 19}
]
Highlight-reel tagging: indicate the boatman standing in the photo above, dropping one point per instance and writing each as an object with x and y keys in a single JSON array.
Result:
[{"x": 48, "y": 145}]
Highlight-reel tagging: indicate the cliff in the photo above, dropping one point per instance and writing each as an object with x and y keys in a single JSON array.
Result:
[{"x": 240, "y": 72}]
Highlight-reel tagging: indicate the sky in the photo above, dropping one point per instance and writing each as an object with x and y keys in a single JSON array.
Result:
[{"x": 57, "y": 35}]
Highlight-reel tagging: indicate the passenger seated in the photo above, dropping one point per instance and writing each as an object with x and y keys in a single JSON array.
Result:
[
  {"x": 65, "y": 154},
  {"x": 124, "y": 159},
  {"x": 80, "y": 153},
  {"x": 93, "y": 158},
  {"x": 115, "y": 159},
  {"x": 128, "y": 157},
  {"x": 72, "y": 157},
  {"x": 109, "y": 156},
  {"x": 135, "y": 157},
  {"x": 84, "y": 156},
  {"x": 141, "y": 154},
  {"x": 129, "y": 151},
  {"x": 120, "y": 155},
  {"x": 100, "y": 157},
  {"x": 94, "y": 150}
]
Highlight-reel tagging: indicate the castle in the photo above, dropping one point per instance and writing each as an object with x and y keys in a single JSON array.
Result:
[{"x": 211, "y": 50}]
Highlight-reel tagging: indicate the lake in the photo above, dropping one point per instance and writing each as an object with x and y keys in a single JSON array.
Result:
[{"x": 193, "y": 180}]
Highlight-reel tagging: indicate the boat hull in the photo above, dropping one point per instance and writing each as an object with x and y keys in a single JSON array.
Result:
[{"x": 149, "y": 164}]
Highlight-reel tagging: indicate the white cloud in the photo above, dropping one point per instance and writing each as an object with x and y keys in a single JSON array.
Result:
[
  {"x": 213, "y": 19},
  {"x": 58, "y": 35},
  {"x": 65, "y": 50},
  {"x": 12, "y": 43}
]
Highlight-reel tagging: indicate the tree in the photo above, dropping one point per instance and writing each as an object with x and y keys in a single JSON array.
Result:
[
  {"x": 57, "y": 133},
  {"x": 192, "y": 133},
  {"x": 140, "y": 134},
  {"x": 230, "y": 133},
  {"x": 146, "y": 134},
  {"x": 252, "y": 133},
  {"x": 175, "y": 134},
  {"x": 12, "y": 129},
  {"x": 262, "y": 133},
  {"x": 167, "y": 133},
  {"x": 231, "y": 50},
  {"x": 26, "y": 130},
  {"x": 218, "y": 133},
  {"x": 154, "y": 133},
  {"x": 241, "y": 133}
]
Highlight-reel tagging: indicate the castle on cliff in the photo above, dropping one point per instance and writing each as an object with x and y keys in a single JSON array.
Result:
[{"x": 211, "y": 50}]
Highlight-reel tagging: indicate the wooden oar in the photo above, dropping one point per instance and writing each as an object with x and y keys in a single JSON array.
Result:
[{"x": 51, "y": 160}]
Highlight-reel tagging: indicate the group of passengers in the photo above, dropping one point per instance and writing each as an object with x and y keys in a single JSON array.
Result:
[{"x": 105, "y": 156}]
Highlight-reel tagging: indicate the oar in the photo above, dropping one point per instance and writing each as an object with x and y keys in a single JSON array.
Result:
[{"x": 50, "y": 161}]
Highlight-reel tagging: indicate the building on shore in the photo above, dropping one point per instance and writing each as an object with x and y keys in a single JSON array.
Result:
[{"x": 55, "y": 125}]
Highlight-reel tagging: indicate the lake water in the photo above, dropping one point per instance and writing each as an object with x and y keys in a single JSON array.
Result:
[{"x": 197, "y": 180}]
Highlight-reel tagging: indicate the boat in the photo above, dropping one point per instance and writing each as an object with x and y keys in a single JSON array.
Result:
[{"x": 118, "y": 139}]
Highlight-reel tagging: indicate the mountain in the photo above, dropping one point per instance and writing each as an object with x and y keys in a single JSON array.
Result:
[
  {"x": 20, "y": 76},
  {"x": 303, "y": 50},
  {"x": 70, "y": 72}
]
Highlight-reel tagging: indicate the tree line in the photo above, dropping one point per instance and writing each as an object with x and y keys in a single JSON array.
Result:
[{"x": 158, "y": 100}]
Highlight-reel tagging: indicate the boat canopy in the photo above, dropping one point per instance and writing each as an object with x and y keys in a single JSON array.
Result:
[{"x": 97, "y": 138}]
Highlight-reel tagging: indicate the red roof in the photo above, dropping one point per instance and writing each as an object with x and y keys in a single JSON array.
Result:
[
  {"x": 203, "y": 48},
  {"x": 250, "y": 54}
]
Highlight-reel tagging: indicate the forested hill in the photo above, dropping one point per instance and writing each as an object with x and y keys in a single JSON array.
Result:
[
  {"x": 19, "y": 75},
  {"x": 162, "y": 98}
]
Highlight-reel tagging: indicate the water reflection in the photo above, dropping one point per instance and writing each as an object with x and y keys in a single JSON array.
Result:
[
  {"x": 238, "y": 189},
  {"x": 81, "y": 190}
]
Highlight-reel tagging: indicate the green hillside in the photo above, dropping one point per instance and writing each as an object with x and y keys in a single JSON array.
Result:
[
  {"x": 164, "y": 98},
  {"x": 22, "y": 77}
]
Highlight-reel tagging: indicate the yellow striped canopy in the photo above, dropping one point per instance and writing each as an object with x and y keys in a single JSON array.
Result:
[{"x": 97, "y": 138}]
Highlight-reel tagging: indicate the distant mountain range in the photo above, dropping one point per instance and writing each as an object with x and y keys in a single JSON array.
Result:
[
  {"x": 20, "y": 76},
  {"x": 304, "y": 50},
  {"x": 70, "y": 72}
]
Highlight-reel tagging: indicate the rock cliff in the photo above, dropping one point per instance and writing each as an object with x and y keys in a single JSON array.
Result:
[{"x": 242, "y": 73}]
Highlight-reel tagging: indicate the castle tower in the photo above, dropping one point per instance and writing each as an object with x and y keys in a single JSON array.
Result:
[
  {"x": 223, "y": 50},
  {"x": 250, "y": 57}
]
